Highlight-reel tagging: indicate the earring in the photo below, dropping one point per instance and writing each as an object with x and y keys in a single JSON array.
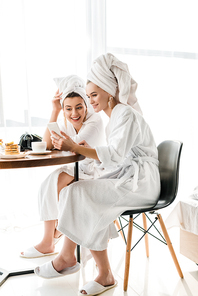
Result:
[{"x": 110, "y": 102}]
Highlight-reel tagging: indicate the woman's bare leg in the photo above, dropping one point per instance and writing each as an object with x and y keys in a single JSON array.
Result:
[
  {"x": 105, "y": 276},
  {"x": 63, "y": 180},
  {"x": 66, "y": 257},
  {"x": 47, "y": 243},
  {"x": 50, "y": 231}
]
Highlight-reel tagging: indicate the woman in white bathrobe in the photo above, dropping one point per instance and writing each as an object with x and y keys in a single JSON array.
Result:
[
  {"x": 80, "y": 123},
  {"x": 131, "y": 176}
]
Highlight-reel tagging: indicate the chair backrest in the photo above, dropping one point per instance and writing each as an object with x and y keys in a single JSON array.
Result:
[{"x": 169, "y": 160}]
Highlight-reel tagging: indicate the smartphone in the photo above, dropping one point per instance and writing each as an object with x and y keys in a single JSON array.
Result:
[{"x": 53, "y": 126}]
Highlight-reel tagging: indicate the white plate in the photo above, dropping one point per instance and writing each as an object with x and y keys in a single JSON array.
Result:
[
  {"x": 41, "y": 152},
  {"x": 21, "y": 155}
]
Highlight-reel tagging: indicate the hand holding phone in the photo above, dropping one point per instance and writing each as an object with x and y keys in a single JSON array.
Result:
[{"x": 53, "y": 126}]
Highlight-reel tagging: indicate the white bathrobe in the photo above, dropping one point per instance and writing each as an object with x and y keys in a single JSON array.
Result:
[
  {"x": 92, "y": 131},
  {"x": 88, "y": 208}
]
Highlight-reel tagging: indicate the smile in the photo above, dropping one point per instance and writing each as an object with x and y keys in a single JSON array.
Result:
[{"x": 75, "y": 118}]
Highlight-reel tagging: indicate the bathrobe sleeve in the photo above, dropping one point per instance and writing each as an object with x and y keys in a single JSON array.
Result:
[
  {"x": 92, "y": 131},
  {"x": 125, "y": 133}
]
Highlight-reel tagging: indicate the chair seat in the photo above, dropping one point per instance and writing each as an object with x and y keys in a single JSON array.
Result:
[
  {"x": 137, "y": 211},
  {"x": 160, "y": 204}
]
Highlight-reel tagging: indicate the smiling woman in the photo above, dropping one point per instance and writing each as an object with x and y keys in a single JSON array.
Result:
[
  {"x": 95, "y": 93},
  {"x": 80, "y": 122},
  {"x": 75, "y": 110}
]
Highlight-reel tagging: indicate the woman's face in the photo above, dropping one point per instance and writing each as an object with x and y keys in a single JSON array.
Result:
[
  {"x": 75, "y": 111},
  {"x": 98, "y": 98}
]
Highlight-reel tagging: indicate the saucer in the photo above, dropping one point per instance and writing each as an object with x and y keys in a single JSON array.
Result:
[
  {"x": 40, "y": 152},
  {"x": 21, "y": 155}
]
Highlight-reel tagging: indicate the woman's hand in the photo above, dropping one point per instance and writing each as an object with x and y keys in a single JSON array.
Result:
[
  {"x": 56, "y": 105},
  {"x": 64, "y": 143}
]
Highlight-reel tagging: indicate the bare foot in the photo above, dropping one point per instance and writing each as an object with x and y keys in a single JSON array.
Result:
[
  {"x": 105, "y": 280},
  {"x": 44, "y": 248},
  {"x": 61, "y": 262}
]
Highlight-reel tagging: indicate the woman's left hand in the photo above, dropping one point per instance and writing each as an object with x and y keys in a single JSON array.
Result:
[{"x": 64, "y": 143}]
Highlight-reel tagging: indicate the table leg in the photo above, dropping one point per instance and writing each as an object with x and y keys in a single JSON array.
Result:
[
  {"x": 76, "y": 177},
  {"x": 4, "y": 274},
  {"x": 76, "y": 173}
]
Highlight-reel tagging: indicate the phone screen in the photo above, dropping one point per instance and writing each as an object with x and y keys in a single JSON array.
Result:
[{"x": 53, "y": 126}]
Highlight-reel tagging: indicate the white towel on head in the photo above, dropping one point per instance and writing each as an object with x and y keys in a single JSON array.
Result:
[
  {"x": 113, "y": 76},
  {"x": 71, "y": 83}
]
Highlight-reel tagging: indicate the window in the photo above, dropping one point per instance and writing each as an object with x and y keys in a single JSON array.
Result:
[
  {"x": 157, "y": 39},
  {"x": 40, "y": 40}
]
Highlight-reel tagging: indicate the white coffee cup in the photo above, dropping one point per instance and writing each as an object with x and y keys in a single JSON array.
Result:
[{"x": 39, "y": 146}]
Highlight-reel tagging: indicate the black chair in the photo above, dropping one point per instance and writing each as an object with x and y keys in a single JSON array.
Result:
[{"x": 169, "y": 159}]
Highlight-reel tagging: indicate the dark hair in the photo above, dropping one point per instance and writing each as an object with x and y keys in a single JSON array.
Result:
[{"x": 72, "y": 95}]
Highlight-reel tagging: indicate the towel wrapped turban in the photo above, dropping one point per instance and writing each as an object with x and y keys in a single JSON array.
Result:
[
  {"x": 113, "y": 76},
  {"x": 71, "y": 83}
]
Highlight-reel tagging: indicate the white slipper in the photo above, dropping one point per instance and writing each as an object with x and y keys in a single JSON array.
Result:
[
  {"x": 47, "y": 270},
  {"x": 33, "y": 253},
  {"x": 93, "y": 288}
]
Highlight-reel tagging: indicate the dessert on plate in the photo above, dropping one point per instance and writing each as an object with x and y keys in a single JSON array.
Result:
[{"x": 11, "y": 148}]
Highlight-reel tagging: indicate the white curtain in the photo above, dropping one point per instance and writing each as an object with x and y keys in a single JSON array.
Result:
[{"x": 96, "y": 29}]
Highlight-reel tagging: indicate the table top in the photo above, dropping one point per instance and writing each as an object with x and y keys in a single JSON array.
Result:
[{"x": 54, "y": 158}]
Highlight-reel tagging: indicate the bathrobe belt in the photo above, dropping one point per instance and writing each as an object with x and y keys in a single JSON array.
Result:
[{"x": 133, "y": 165}]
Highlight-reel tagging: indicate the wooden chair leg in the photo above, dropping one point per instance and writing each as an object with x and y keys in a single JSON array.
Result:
[
  {"x": 170, "y": 245},
  {"x": 128, "y": 253},
  {"x": 146, "y": 235},
  {"x": 119, "y": 227}
]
